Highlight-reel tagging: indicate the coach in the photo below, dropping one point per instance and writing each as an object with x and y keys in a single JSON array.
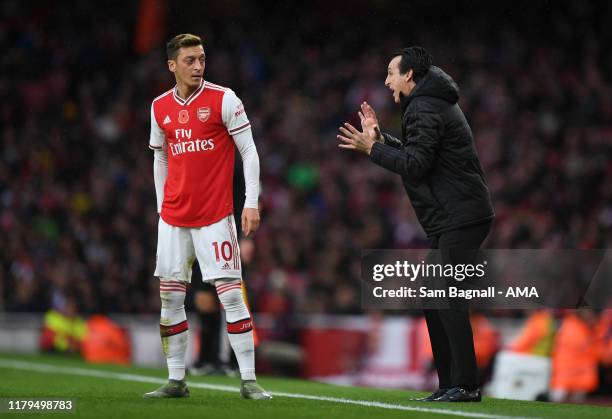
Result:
[{"x": 439, "y": 166}]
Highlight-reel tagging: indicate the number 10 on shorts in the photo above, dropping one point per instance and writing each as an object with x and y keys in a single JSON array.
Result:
[{"x": 225, "y": 251}]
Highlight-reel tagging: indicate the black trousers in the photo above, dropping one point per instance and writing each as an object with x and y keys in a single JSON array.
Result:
[{"x": 450, "y": 331}]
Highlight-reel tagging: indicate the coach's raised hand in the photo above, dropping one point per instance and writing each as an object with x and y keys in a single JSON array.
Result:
[{"x": 369, "y": 122}]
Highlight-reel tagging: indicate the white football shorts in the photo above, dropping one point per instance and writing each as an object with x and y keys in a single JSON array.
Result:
[{"x": 215, "y": 246}]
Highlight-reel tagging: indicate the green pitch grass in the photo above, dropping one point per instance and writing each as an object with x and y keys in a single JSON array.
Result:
[{"x": 105, "y": 391}]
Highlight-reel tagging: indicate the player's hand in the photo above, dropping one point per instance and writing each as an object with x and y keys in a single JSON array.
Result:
[
  {"x": 355, "y": 140},
  {"x": 369, "y": 122},
  {"x": 250, "y": 220}
]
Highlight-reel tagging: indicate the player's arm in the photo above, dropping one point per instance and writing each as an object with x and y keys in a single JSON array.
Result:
[
  {"x": 239, "y": 127},
  {"x": 157, "y": 143}
]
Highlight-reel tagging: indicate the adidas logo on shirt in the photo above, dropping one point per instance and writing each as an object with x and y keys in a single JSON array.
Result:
[
  {"x": 167, "y": 120},
  {"x": 226, "y": 267}
]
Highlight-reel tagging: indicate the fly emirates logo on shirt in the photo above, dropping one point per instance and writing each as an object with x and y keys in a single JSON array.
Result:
[{"x": 186, "y": 144}]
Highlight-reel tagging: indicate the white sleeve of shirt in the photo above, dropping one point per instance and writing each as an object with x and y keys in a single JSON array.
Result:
[
  {"x": 250, "y": 164},
  {"x": 239, "y": 127},
  {"x": 233, "y": 114},
  {"x": 157, "y": 138},
  {"x": 157, "y": 142},
  {"x": 160, "y": 174}
]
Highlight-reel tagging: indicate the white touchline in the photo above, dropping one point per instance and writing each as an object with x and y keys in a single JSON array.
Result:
[{"x": 48, "y": 368}]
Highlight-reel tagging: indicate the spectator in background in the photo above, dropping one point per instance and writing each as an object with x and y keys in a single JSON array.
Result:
[
  {"x": 63, "y": 329},
  {"x": 537, "y": 335},
  {"x": 575, "y": 357}
]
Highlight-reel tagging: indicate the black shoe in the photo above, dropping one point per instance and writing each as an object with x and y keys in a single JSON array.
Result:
[
  {"x": 431, "y": 398},
  {"x": 458, "y": 394}
]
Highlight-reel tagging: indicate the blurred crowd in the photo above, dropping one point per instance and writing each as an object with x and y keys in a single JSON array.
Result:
[{"x": 77, "y": 202}]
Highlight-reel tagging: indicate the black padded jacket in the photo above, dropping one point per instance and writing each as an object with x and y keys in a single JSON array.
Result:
[{"x": 436, "y": 158}]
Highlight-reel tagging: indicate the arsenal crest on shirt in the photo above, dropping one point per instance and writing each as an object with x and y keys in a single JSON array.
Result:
[{"x": 203, "y": 114}]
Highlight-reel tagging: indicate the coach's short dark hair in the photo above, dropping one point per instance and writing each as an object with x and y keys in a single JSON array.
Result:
[
  {"x": 180, "y": 41},
  {"x": 416, "y": 59}
]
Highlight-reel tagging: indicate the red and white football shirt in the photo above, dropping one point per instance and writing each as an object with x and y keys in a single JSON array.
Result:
[{"x": 197, "y": 133}]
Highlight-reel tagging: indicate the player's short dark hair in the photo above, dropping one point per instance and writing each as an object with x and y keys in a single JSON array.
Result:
[
  {"x": 416, "y": 59},
  {"x": 180, "y": 41}
]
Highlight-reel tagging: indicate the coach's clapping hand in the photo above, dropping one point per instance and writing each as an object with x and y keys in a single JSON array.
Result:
[
  {"x": 363, "y": 141},
  {"x": 250, "y": 220},
  {"x": 369, "y": 122}
]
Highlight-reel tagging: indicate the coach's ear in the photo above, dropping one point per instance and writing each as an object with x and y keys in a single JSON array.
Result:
[
  {"x": 172, "y": 65},
  {"x": 407, "y": 75}
]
